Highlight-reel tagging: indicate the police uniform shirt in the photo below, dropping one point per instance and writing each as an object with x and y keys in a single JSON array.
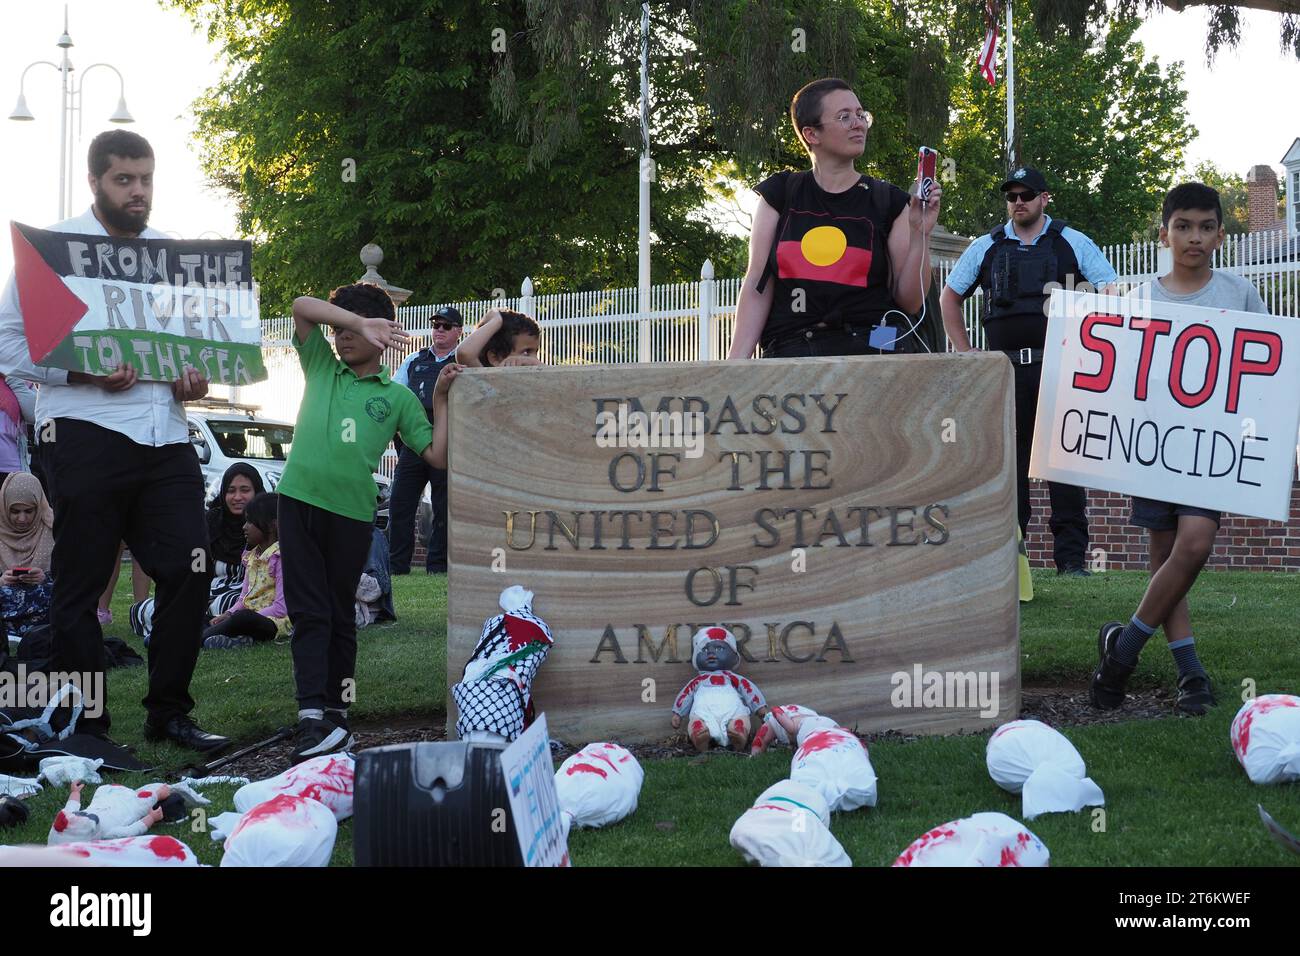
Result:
[
  {"x": 420, "y": 374},
  {"x": 972, "y": 271}
]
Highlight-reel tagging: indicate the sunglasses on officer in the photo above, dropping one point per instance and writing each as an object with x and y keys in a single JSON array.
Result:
[
  {"x": 440, "y": 326},
  {"x": 1021, "y": 195}
]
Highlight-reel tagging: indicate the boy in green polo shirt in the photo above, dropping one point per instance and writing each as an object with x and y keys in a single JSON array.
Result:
[{"x": 350, "y": 411}]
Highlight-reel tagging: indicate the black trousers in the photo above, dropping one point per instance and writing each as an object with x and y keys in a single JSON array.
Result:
[
  {"x": 412, "y": 474},
  {"x": 322, "y": 557},
  {"x": 244, "y": 623},
  {"x": 40, "y": 469},
  {"x": 1069, "y": 521},
  {"x": 108, "y": 489}
]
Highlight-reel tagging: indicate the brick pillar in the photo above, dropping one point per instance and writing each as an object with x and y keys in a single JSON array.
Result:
[{"x": 1261, "y": 188}]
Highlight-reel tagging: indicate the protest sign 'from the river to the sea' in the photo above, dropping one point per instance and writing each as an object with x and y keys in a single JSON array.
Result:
[
  {"x": 92, "y": 303},
  {"x": 1176, "y": 403}
]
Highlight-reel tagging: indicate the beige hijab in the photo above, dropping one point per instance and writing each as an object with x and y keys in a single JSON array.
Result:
[{"x": 31, "y": 548}]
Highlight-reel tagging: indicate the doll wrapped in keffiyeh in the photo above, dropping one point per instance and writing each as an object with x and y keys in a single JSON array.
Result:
[{"x": 495, "y": 694}]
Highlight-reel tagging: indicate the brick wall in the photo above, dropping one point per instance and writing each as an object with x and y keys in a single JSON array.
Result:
[{"x": 1243, "y": 543}]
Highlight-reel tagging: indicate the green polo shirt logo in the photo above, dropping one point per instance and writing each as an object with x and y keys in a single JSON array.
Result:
[{"x": 379, "y": 409}]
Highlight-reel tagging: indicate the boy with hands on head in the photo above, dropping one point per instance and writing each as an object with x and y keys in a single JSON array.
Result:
[{"x": 350, "y": 411}]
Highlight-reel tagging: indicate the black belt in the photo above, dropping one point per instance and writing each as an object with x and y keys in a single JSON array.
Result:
[
  {"x": 1024, "y": 356},
  {"x": 820, "y": 329}
]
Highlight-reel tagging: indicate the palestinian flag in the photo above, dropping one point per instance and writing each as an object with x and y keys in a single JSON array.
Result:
[
  {"x": 820, "y": 247},
  {"x": 92, "y": 303}
]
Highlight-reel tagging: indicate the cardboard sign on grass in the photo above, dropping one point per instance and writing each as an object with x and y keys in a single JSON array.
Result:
[
  {"x": 850, "y": 520},
  {"x": 92, "y": 303},
  {"x": 1177, "y": 403},
  {"x": 534, "y": 805}
]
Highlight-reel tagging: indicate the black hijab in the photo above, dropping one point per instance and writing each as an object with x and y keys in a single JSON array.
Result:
[{"x": 226, "y": 530}]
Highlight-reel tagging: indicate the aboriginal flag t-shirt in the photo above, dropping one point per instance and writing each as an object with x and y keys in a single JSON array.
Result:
[{"x": 830, "y": 260}]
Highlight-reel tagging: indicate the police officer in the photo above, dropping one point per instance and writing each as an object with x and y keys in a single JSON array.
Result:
[
  {"x": 1014, "y": 265},
  {"x": 419, "y": 373}
]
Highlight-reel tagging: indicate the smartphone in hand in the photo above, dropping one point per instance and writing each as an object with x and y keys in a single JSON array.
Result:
[{"x": 927, "y": 161}]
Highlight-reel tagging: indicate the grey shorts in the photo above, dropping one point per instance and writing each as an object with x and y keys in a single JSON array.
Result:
[{"x": 1164, "y": 515}]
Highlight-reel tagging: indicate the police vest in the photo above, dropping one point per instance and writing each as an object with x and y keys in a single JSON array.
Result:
[
  {"x": 1015, "y": 276},
  {"x": 422, "y": 375}
]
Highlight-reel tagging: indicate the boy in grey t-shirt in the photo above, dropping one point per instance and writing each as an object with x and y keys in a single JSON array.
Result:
[{"x": 1180, "y": 537}]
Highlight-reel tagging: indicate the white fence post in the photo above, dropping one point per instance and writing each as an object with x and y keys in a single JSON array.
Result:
[
  {"x": 706, "y": 311},
  {"x": 1164, "y": 260},
  {"x": 526, "y": 297}
]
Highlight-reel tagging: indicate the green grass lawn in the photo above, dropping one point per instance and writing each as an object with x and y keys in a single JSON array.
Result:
[{"x": 1175, "y": 795}]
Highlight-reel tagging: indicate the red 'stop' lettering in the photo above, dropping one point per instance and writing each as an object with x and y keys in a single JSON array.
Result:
[{"x": 1101, "y": 381}]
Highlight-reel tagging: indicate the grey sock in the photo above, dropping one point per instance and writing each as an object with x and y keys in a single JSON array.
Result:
[
  {"x": 1184, "y": 652},
  {"x": 315, "y": 713},
  {"x": 1131, "y": 641}
]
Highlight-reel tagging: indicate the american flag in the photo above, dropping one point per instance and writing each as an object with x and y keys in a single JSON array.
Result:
[{"x": 989, "y": 51}]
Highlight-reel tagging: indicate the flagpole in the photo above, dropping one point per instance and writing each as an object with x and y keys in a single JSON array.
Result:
[
  {"x": 1011, "y": 93},
  {"x": 647, "y": 171}
]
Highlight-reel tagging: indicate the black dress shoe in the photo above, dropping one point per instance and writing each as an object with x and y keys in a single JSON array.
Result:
[
  {"x": 184, "y": 731},
  {"x": 1107, "y": 688}
]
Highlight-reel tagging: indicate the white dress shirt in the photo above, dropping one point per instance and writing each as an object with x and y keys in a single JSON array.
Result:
[{"x": 146, "y": 413}]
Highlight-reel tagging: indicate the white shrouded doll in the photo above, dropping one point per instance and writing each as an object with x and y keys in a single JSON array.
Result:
[
  {"x": 717, "y": 703},
  {"x": 495, "y": 695},
  {"x": 114, "y": 811}
]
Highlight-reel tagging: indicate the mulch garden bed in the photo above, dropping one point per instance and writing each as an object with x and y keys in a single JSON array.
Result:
[{"x": 1056, "y": 706}]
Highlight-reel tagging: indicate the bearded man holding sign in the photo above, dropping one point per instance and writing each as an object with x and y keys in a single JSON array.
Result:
[{"x": 121, "y": 467}]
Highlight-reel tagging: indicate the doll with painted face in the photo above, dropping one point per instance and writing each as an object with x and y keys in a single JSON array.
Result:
[{"x": 717, "y": 702}]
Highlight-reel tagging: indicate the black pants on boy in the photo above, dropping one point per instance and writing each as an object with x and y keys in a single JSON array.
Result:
[
  {"x": 245, "y": 623},
  {"x": 322, "y": 557},
  {"x": 412, "y": 474},
  {"x": 1069, "y": 520},
  {"x": 109, "y": 489}
]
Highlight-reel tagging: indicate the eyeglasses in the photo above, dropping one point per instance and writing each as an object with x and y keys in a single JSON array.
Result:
[
  {"x": 846, "y": 117},
  {"x": 1027, "y": 195},
  {"x": 444, "y": 326}
]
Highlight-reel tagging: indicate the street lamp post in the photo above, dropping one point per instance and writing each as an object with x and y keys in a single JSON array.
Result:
[{"x": 70, "y": 104}]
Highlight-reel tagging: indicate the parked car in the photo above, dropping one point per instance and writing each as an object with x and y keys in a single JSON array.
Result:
[{"x": 224, "y": 432}]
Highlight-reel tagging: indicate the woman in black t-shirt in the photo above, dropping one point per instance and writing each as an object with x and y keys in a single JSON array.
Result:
[{"x": 833, "y": 252}]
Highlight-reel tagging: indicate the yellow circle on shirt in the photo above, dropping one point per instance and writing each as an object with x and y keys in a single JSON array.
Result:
[{"x": 823, "y": 245}]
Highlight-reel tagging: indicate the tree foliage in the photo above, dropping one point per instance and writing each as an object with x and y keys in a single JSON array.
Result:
[
  {"x": 497, "y": 139},
  {"x": 1233, "y": 195},
  {"x": 1222, "y": 30},
  {"x": 501, "y": 139},
  {"x": 1107, "y": 127},
  {"x": 443, "y": 180}
]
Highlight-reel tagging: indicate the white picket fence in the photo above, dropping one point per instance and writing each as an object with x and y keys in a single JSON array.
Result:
[{"x": 690, "y": 320}]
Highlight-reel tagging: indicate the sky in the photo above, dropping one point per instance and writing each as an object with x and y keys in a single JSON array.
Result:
[{"x": 166, "y": 65}]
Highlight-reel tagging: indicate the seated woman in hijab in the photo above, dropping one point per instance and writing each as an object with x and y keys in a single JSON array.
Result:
[
  {"x": 26, "y": 543},
  {"x": 239, "y": 485}
]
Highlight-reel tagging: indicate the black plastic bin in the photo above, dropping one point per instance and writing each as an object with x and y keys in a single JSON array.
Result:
[{"x": 433, "y": 804}]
